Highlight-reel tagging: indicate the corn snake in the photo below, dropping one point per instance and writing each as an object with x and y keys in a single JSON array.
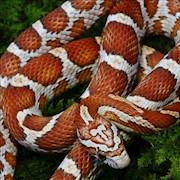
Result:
[{"x": 10, "y": 90}]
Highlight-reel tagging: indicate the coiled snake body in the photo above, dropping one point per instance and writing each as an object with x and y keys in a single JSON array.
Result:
[{"x": 41, "y": 64}]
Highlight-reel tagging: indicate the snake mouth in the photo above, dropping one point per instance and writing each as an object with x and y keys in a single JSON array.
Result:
[{"x": 118, "y": 162}]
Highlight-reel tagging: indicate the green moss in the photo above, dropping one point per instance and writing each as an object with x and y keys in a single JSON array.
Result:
[{"x": 152, "y": 157}]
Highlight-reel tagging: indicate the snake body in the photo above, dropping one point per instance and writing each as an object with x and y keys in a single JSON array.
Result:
[{"x": 40, "y": 64}]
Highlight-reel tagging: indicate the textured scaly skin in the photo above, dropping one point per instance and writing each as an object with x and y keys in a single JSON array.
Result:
[
  {"x": 120, "y": 49},
  {"x": 38, "y": 73},
  {"x": 57, "y": 28}
]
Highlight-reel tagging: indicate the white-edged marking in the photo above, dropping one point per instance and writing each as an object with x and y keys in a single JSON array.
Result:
[
  {"x": 4, "y": 81},
  {"x": 69, "y": 72},
  {"x": 102, "y": 110},
  {"x": 177, "y": 38},
  {"x": 21, "y": 115},
  {"x": 24, "y": 56},
  {"x": 99, "y": 131},
  {"x": 143, "y": 59},
  {"x": 119, "y": 63},
  {"x": 84, "y": 113},
  {"x": 171, "y": 66},
  {"x": 19, "y": 80},
  {"x": 70, "y": 69},
  {"x": 167, "y": 22},
  {"x": 7, "y": 168},
  {"x": 38, "y": 26},
  {"x": 69, "y": 166},
  {"x": 127, "y": 20},
  {"x": 90, "y": 17},
  {"x": 70, "y": 10},
  {"x": 86, "y": 93},
  {"x": 122, "y": 127},
  {"x": 176, "y": 114},
  {"x": 32, "y": 135},
  {"x": 161, "y": 6},
  {"x": 73, "y": 14},
  {"x": 103, "y": 147},
  {"x": 8, "y": 147},
  {"x": 174, "y": 68},
  {"x": 121, "y": 99},
  {"x": 148, "y": 104}
]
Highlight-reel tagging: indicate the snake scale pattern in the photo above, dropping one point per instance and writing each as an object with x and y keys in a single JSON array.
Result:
[{"x": 43, "y": 62}]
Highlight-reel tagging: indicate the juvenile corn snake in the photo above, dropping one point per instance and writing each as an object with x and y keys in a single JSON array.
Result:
[{"x": 31, "y": 78}]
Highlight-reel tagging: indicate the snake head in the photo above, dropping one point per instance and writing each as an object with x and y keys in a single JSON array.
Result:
[{"x": 102, "y": 139}]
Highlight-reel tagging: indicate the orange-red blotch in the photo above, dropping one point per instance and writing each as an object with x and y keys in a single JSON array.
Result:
[
  {"x": 29, "y": 40},
  {"x": 175, "y": 28},
  {"x": 157, "y": 28},
  {"x": 42, "y": 101},
  {"x": 36, "y": 123},
  {"x": 45, "y": 69},
  {"x": 82, "y": 158},
  {"x": 83, "y": 4},
  {"x": 174, "y": 7},
  {"x": 1, "y": 166},
  {"x": 84, "y": 76},
  {"x": 78, "y": 27},
  {"x": 2, "y": 91},
  {"x": 131, "y": 8},
  {"x": 108, "y": 80},
  {"x": 8, "y": 177},
  {"x": 82, "y": 52},
  {"x": 175, "y": 54},
  {"x": 54, "y": 43},
  {"x": 24, "y": 98},
  {"x": 158, "y": 119},
  {"x": 13, "y": 141},
  {"x": 135, "y": 127},
  {"x": 56, "y": 20},
  {"x": 174, "y": 107},
  {"x": 157, "y": 86},
  {"x": 117, "y": 103},
  {"x": 140, "y": 129},
  {"x": 9, "y": 64},
  {"x": 151, "y": 7},
  {"x": 58, "y": 137},
  {"x": 2, "y": 141},
  {"x": 154, "y": 58},
  {"x": 11, "y": 159},
  {"x": 61, "y": 174},
  {"x": 63, "y": 86},
  {"x": 104, "y": 100},
  {"x": 107, "y": 5},
  {"x": 121, "y": 39}
]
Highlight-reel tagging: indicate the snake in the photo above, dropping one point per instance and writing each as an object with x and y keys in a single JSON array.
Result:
[{"x": 43, "y": 62}]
